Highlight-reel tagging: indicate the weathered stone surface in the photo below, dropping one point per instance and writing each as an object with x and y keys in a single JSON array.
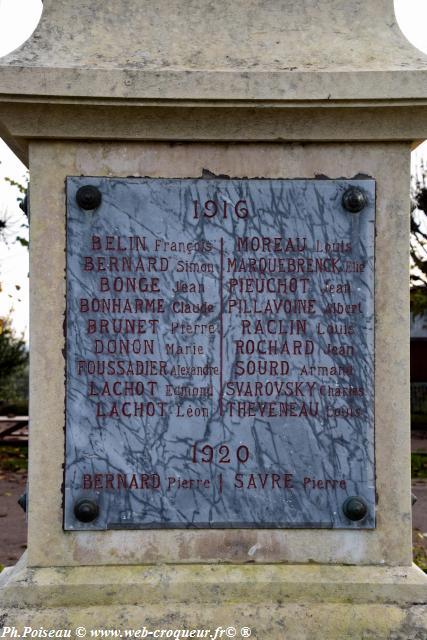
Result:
[
  {"x": 274, "y": 601},
  {"x": 86, "y": 73},
  {"x": 246, "y": 50},
  {"x": 390, "y": 543},
  {"x": 247, "y": 71}
]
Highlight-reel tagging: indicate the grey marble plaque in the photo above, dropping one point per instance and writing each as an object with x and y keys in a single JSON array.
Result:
[{"x": 219, "y": 354}]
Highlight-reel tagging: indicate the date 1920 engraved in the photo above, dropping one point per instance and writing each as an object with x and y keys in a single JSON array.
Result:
[{"x": 219, "y": 354}]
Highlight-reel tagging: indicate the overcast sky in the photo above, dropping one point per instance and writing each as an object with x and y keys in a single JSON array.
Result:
[{"x": 18, "y": 19}]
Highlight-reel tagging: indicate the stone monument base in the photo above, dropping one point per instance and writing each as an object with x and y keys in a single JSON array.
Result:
[{"x": 292, "y": 602}]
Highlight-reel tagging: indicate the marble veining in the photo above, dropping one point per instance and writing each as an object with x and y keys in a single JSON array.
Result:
[{"x": 220, "y": 353}]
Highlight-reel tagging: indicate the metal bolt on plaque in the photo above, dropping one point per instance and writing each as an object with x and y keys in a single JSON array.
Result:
[
  {"x": 88, "y": 197},
  {"x": 86, "y": 510},
  {"x": 355, "y": 508},
  {"x": 354, "y": 200}
]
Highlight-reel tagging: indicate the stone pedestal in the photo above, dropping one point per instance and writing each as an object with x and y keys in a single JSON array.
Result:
[
  {"x": 247, "y": 90},
  {"x": 274, "y": 601}
]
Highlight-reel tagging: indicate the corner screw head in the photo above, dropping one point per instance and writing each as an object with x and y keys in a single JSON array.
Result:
[
  {"x": 88, "y": 197},
  {"x": 354, "y": 200},
  {"x": 86, "y": 510},
  {"x": 355, "y": 508}
]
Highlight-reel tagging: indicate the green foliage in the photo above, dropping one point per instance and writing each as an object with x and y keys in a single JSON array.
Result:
[
  {"x": 13, "y": 459},
  {"x": 22, "y": 241},
  {"x": 13, "y": 352},
  {"x": 13, "y": 373},
  {"x": 419, "y": 465},
  {"x": 418, "y": 300},
  {"x": 14, "y": 394},
  {"x": 21, "y": 187}
]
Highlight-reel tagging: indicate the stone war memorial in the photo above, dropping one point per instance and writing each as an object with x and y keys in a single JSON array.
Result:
[{"x": 219, "y": 258}]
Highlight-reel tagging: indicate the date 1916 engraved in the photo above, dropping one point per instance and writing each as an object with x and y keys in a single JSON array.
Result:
[{"x": 220, "y": 208}]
